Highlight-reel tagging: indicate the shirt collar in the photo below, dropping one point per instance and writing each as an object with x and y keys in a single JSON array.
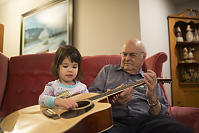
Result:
[
  {"x": 67, "y": 86},
  {"x": 141, "y": 72}
]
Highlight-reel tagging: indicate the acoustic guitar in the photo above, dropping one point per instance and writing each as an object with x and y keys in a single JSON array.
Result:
[{"x": 92, "y": 115}]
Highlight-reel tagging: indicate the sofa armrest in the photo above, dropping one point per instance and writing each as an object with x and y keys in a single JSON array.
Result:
[
  {"x": 186, "y": 115},
  {"x": 3, "y": 75}
]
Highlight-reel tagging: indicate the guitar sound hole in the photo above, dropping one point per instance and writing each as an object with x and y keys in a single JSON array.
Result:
[
  {"x": 83, "y": 107},
  {"x": 83, "y": 103}
]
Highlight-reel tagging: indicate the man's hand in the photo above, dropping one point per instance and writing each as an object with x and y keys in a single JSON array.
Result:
[
  {"x": 151, "y": 85},
  {"x": 123, "y": 97},
  {"x": 151, "y": 82}
]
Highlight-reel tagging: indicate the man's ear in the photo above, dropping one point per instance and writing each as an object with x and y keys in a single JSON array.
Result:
[
  {"x": 144, "y": 68},
  {"x": 144, "y": 56}
]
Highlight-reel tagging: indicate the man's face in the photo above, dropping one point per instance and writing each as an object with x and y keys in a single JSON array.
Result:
[{"x": 132, "y": 58}]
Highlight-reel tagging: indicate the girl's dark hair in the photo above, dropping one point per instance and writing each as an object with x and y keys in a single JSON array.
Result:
[{"x": 62, "y": 53}]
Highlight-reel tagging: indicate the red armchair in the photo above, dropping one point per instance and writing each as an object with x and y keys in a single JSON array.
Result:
[{"x": 28, "y": 75}]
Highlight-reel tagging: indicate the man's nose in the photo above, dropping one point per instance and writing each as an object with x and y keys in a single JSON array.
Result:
[{"x": 128, "y": 57}]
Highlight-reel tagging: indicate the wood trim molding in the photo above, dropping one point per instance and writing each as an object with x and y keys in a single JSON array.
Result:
[{"x": 1, "y": 37}]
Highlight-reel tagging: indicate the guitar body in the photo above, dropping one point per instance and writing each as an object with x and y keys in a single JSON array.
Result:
[
  {"x": 97, "y": 122},
  {"x": 32, "y": 120}
]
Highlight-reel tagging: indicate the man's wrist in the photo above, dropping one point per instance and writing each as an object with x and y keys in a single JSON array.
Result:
[{"x": 152, "y": 103}]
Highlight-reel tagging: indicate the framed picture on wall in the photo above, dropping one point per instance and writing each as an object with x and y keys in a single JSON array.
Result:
[{"x": 46, "y": 28}]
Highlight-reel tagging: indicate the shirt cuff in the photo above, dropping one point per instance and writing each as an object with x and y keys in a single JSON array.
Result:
[
  {"x": 164, "y": 109},
  {"x": 50, "y": 102}
]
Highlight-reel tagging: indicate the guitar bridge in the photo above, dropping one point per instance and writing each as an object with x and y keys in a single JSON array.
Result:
[{"x": 50, "y": 114}]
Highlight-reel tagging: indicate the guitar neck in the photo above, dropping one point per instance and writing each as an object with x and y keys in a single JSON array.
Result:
[
  {"x": 117, "y": 90},
  {"x": 123, "y": 87}
]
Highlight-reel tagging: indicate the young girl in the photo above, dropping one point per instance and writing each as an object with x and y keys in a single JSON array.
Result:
[{"x": 66, "y": 68}]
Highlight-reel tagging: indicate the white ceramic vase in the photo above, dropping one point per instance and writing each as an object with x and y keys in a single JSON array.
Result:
[{"x": 189, "y": 35}]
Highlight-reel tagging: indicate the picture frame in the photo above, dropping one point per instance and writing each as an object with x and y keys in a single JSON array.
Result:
[{"x": 46, "y": 28}]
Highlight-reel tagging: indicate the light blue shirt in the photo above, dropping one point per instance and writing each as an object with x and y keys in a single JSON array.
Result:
[{"x": 54, "y": 89}]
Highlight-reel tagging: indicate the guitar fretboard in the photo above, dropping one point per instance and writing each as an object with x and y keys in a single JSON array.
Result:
[
  {"x": 123, "y": 87},
  {"x": 117, "y": 90}
]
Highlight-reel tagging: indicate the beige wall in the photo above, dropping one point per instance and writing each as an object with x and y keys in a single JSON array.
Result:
[{"x": 100, "y": 26}]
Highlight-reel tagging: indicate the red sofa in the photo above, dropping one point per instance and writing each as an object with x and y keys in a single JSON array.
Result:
[{"x": 28, "y": 75}]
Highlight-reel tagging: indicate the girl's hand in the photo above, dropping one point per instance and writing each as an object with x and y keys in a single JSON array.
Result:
[{"x": 66, "y": 103}]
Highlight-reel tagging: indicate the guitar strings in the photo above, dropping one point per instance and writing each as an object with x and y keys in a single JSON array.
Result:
[{"x": 116, "y": 90}]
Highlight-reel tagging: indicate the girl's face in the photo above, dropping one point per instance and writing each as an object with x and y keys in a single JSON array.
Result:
[{"x": 68, "y": 71}]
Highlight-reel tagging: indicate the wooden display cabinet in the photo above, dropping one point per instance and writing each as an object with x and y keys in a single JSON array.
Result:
[{"x": 184, "y": 57}]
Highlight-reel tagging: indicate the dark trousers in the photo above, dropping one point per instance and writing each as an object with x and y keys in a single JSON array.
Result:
[{"x": 148, "y": 124}]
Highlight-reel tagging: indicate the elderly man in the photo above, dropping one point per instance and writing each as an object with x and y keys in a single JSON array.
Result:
[{"x": 141, "y": 109}]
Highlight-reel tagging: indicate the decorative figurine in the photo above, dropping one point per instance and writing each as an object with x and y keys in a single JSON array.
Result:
[
  {"x": 196, "y": 76},
  {"x": 186, "y": 76},
  {"x": 189, "y": 35},
  {"x": 198, "y": 30},
  {"x": 191, "y": 74},
  {"x": 185, "y": 53},
  {"x": 190, "y": 54},
  {"x": 179, "y": 37},
  {"x": 196, "y": 36}
]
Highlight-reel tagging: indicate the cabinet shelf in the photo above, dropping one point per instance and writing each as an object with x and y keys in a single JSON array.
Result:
[
  {"x": 188, "y": 62},
  {"x": 189, "y": 83},
  {"x": 184, "y": 44}
]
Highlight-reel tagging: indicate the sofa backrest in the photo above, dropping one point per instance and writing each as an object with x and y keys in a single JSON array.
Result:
[
  {"x": 91, "y": 65},
  {"x": 155, "y": 62},
  {"x": 28, "y": 75}
]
